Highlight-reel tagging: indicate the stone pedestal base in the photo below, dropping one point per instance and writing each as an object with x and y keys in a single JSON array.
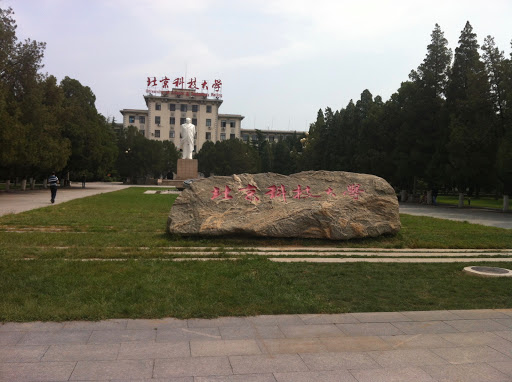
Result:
[{"x": 187, "y": 169}]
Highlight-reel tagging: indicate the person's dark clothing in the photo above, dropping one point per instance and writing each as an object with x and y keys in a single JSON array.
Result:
[{"x": 53, "y": 181}]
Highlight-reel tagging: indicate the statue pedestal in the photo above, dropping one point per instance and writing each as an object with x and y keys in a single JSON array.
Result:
[{"x": 187, "y": 169}]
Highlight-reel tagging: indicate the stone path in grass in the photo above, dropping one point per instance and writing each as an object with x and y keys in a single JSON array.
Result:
[
  {"x": 456, "y": 345},
  {"x": 341, "y": 255}
]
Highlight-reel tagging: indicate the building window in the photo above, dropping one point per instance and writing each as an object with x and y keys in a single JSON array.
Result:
[
  {"x": 222, "y": 136},
  {"x": 142, "y": 119},
  {"x": 223, "y": 124},
  {"x": 208, "y": 123},
  {"x": 194, "y": 121},
  {"x": 182, "y": 121},
  {"x": 208, "y": 108},
  {"x": 171, "y": 134},
  {"x": 245, "y": 137},
  {"x": 172, "y": 121},
  {"x": 157, "y": 133},
  {"x": 271, "y": 139},
  {"x": 232, "y": 124},
  {"x": 208, "y": 136},
  {"x": 142, "y": 132},
  {"x": 183, "y": 107},
  {"x": 158, "y": 106},
  {"x": 172, "y": 107},
  {"x": 231, "y": 136},
  {"x": 195, "y": 108},
  {"x": 157, "y": 120},
  {"x": 131, "y": 119}
]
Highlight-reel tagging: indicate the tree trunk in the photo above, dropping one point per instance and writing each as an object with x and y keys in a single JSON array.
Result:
[
  {"x": 32, "y": 183},
  {"x": 505, "y": 203},
  {"x": 23, "y": 184},
  {"x": 45, "y": 183},
  {"x": 7, "y": 184},
  {"x": 429, "y": 197},
  {"x": 461, "y": 200},
  {"x": 403, "y": 196}
]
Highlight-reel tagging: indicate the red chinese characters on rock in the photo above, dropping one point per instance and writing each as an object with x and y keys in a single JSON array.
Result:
[
  {"x": 250, "y": 192},
  {"x": 216, "y": 193},
  {"x": 303, "y": 194},
  {"x": 275, "y": 191},
  {"x": 330, "y": 192},
  {"x": 353, "y": 190}
]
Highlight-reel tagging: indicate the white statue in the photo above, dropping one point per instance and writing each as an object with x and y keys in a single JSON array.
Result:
[{"x": 188, "y": 132}]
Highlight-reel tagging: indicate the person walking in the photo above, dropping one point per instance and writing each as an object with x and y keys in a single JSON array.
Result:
[{"x": 53, "y": 181}]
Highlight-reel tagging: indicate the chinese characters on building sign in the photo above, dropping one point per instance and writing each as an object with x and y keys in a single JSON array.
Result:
[
  {"x": 279, "y": 192},
  {"x": 190, "y": 86}
]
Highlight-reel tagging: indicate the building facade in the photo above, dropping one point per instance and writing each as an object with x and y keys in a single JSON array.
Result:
[
  {"x": 167, "y": 112},
  {"x": 249, "y": 135}
]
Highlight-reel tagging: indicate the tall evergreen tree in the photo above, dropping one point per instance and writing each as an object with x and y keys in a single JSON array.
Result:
[
  {"x": 432, "y": 74},
  {"x": 495, "y": 64},
  {"x": 431, "y": 79},
  {"x": 472, "y": 142}
]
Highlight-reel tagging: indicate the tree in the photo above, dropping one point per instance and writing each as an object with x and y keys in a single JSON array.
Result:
[
  {"x": 499, "y": 72},
  {"x": 472, "y": 140},
  {"x": 91, "y": 136},
  {"x": 30, "y": 132},
  {"x": 432, "y": 74},
  {"x": 428, "y": 130},
  {"x": 228, "y": 157},
  {"x": 496, "y": 67}
]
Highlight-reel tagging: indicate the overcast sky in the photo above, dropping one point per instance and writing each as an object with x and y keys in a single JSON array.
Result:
[{"x": 279, "y": 60}]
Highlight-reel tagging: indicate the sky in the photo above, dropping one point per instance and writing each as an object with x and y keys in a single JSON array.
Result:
[{"x": 279, "y": 61}]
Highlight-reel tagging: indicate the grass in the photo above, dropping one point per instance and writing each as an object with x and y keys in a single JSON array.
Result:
[
  {"x": 482, "y": 202},
  {"x": 59, "y": 290},
  {"x": 130, "y": 225}
]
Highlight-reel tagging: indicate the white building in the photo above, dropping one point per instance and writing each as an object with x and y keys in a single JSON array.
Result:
[{"x": 167, "y": 112}]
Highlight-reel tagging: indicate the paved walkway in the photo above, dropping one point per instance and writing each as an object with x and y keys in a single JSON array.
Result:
[
  {"x": 356, "y": 347},
  {"x": 16, "y": 201},
  {"x": 489, "y": 217}
]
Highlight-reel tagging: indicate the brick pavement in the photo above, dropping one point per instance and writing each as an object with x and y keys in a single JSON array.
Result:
[{"x": 474, "y": 345}]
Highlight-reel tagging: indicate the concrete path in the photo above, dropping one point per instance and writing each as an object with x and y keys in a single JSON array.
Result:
[
  {"x": 16, "y": 201},
  {"x": 356, "y": 347},
  {"x": 489, "y": 217}
]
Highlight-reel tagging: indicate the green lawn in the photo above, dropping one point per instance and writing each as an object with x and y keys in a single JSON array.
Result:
[
  {"x": 483, "y": 202},
  {"x": 40, "y": 280}
]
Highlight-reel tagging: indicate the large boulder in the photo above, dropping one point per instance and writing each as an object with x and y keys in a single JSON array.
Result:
[{"x": 313, "y": 204}]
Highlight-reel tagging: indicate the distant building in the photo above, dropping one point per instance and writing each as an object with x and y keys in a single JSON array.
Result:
[
  {"x": 249, "y": 135},
  {"x": 167, "y": 112}
]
